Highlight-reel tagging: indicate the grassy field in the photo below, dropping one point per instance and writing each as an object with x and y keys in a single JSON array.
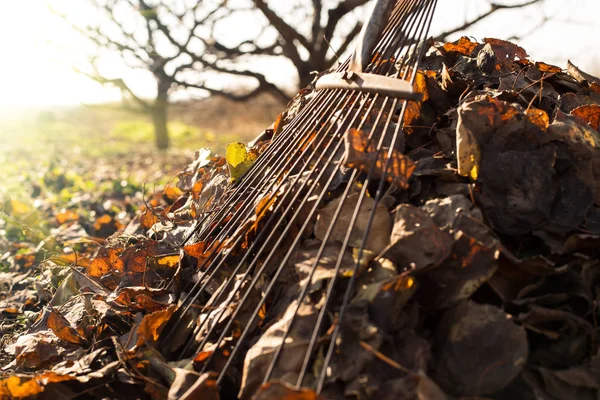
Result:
[
  {"x": 91, "y": 161},
  {"x": 90, "y": 140}
]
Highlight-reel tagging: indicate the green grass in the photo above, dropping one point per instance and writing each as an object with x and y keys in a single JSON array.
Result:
[{"x": 61, "y": 157}]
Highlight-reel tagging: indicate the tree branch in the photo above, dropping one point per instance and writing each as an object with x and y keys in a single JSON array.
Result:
[
  {"x": 119, "y": 83},
  {"x": 495, "y": 7},
  {"x": 285, "y": 30}
]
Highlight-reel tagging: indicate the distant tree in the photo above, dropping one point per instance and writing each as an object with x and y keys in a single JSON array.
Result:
[{"x": 198, "y": 45}]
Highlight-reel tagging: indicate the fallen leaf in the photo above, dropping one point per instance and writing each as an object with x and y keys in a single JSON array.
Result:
[
  {"x": 63, "y": 329},
  {"x": 538, "y": 117},
  {"x": 151, "y": 325},
  {"x": 506, "y": 52},
  {"x": 582, "y": 77},
  {"x": 481, "y": 350},
  {"x": 361, "y": 153},
  {"x": 380, "y": 228},
  {"x": 462, "y": 46},
  {"x": 590, "y": 114},
  {"x": 283, "y": 391},
  {"x": 416, "y": 243},
  {"x": 239, "y": 160}
]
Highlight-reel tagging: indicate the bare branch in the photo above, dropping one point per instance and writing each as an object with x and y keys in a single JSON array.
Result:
[
  {"x": 285, "y": 30},
  {"x": 143, "y": 105},
  {"x": 494, "y": 7}
]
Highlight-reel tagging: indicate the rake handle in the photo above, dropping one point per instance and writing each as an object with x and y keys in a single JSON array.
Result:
[{"x": 370, "y": 34}]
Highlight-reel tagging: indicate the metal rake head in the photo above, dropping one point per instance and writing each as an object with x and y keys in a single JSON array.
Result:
[{"x": 283, "y": 247}]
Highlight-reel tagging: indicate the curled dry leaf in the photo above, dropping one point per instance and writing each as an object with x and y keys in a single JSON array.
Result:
[
  {"x": 481, "y": 350},
  {"x": 590, "y": 114},
  {"x": 361, "y": 153},
  {"x": 147, "y": 331},
  {"x": 63, "y": 329},
  {"x": 416, "y": 241},
  {"x": 260, "y": 355},
  {"x": 25, "y": 386},
  {"x": 380, "y": 228},
  {"x": 148, "y": 219},
  {"x": 506, "y": 52},
  {"x": 283, "y": 391},
  {"x": 538, "y": 117},
  {"x": 462, "y": 46},
  {"x": 581, "y": 76},
  {"x": 188, "y": 385}
]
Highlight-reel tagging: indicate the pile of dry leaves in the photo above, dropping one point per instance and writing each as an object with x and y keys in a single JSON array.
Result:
[{"x": 487, "y": 281}]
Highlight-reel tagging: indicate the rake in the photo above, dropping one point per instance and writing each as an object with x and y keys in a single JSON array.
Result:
[{"x": 262, "y": 224}]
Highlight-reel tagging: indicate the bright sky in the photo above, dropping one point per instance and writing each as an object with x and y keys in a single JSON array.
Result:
[{"x": 39, "y": 50}]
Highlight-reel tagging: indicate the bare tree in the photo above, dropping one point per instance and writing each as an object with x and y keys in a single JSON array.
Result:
[{"x": 198, "y": 45}]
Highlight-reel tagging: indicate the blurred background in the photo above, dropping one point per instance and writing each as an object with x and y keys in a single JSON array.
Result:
[{"x": 90, "y": 89}]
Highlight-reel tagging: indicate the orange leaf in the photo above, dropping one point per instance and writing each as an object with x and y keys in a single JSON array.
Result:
[
  {"x": 168, "y": 261},
  {"x": 172, "y": 193},
  {"x": 151, "y": 326},
  {"x": 462, "y": 46},
  {"x": 590, "y": 114},
  {"x": 106, "y": 261},
  {"x": 19, "y": 386},
  {"x": 103, "y": 220},
  {"x": 197, "y": 189},
  {"x": 200, "y": 252},
  {"x": 280, "y": 390},
  {"x": 63, "y": 329},
  {"x": 195, "y": 250},
  {"x": 543, "y": 67},
  {"x": 413, "y": 108},
  {"x": 277, "y": 125},
  {"x": 66, "y": 216},
  {"x": 538, "y": 117},
  {"x": 362, "y": 155},
  {"x": 15, "y": 387},
  {"x": 148, "y": 219}
]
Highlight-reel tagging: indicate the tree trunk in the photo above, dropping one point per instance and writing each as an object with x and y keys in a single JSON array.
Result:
[{"x": 159, "y": 118}]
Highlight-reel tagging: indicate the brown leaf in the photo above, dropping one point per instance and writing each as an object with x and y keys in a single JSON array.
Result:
[
  {"x": 481, "y": 350},
  {"x": 151, "y": 325},
  {"x": 282, "y": 391},
  {"x": 191, "y": 386},
  {"x": 148, "y": 219},
  {"x": 416, "y": 242},
  {"x": 573, "y": 131},
  {"x": 363, "y": 155},
  {"x": 460, "y": 275},
  {"x": 582, "y": 77},
  {"x": 506, "y": 52},
  {"x": 63, "y": 329},
  {"x": 35, "y": 349},
  {"x": 590, "y": 114},
  {"x": 259, "y": 356},
  {"x": 201, "y": 252},
  {"x": 379, "y": 231}
]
